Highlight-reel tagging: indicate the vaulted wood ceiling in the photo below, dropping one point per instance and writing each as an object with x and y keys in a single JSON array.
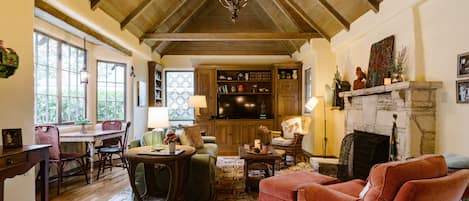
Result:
[{"x": 264, "y": 27}]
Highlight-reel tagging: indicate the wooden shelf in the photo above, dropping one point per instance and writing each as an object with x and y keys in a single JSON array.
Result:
[
  {"x": 245, "y": 93},
  {"x": 242, "y": 81}
]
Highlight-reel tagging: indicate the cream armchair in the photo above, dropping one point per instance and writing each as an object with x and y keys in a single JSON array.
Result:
[{"x": 290, "y": 139}]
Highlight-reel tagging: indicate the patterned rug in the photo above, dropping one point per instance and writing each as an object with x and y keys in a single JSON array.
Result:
[{"x": 230, "y": 180}]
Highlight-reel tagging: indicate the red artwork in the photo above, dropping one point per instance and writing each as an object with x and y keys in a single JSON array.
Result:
[{"x": 381, "y": 57}]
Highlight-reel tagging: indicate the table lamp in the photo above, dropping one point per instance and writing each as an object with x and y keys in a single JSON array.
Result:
[
  {"x": 197, "y": 102},
  {"x": 158, "y": 119}
]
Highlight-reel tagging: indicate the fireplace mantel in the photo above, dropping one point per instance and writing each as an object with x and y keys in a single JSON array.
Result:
[
  {"x": 393, "y": 87},
  {"x": 414, "y": 102}
]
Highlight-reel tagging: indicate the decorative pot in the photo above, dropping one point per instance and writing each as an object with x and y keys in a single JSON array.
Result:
[
  {"x": 240, "y": 88},
  {"x": 396, "y": 77},
  {"x": 172, "y": 147}
]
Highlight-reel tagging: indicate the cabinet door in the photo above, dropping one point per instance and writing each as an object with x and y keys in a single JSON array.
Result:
[
  {"x": 224, "y": 133},
  {"x": 205, "y": 85},
  {"x": 288, "y": 99},
  {"x": 251, "y": 131}
]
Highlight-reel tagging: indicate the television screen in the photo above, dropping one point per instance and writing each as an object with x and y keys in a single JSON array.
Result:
[{"x": 244, "y": 107}]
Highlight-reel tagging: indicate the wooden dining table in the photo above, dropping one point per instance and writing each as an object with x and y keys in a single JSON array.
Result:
[{"x": 90, "y": 138}]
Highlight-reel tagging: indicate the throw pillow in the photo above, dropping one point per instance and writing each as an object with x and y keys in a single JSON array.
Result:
[
  {"x": 185, "y": 140},
  {"x": 291, "y": 126},
  {"x": 456, "y": 161},
  {"x": 193, "y": 132},
  {"x": 365, "y": 190}
]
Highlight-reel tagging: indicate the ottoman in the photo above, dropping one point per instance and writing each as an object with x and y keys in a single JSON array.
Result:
[{"x": 285, "y": 187}]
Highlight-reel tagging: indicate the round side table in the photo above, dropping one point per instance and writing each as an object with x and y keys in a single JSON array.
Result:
[{"x": 177, "y": 166}]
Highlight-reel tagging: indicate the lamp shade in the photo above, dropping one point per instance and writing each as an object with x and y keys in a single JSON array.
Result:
[
  {"x": 197, "y": 101},
  {"x": 311, "y": 104},
  {"x": 158, "y": 117}
]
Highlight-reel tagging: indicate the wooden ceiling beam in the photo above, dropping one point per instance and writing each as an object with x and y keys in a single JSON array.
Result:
[
  {"x": 136, "y": 12},
  {"x": 289, "y": 45},
  {"x": 95, "y": 4},
  {"x": 230, "y": 36},
  {"x": 182, "y": 21},
  {"x": 290, "y": 13},
  {"x": 337, "y": 16},
  {"x": 308, "y": 20},
  {"x": 374, "y": 5},
  {"x": 80, "y": 26},
  {"x": 158, "y": 25}
]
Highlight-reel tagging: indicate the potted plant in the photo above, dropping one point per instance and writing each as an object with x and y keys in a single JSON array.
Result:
[
  {"x": 396, "y": 68},
  {"x": 82, "y": 122}
]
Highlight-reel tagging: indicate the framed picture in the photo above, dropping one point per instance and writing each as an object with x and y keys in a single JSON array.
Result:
[
  {"x": 12, "y": 138},
  {"x": 381, "y": 56},
  {"x": 462, "y": 91},
  {"x": 141, "y": 94},
  {"x": 463, "y": 65}
]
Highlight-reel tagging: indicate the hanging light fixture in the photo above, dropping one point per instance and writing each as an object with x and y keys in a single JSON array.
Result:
[
  {"x": 84, "y": 70},
  {"x": 234, "y": 6}
]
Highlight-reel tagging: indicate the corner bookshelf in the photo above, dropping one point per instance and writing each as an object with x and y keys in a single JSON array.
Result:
[{"x": 155, "y": 86}]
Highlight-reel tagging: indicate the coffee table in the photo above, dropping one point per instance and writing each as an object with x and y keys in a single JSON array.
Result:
[
  {"x": 177, "y": 166},
  {"x": 250, "y": 159}
]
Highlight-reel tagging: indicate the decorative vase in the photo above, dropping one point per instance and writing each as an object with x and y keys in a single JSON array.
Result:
[
  {"x": 295, "y": 74},
  {"x": 83, "y": 129},
  {"x": 172, "y": 147},
  {"x": 396, "y": 77}
]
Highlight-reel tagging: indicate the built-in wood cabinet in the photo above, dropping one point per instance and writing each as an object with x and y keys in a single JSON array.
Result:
[
  {"x": 276, "y": 88},
  {"x": 155, "y": 84},
  {"x": 288, "y": 97}
]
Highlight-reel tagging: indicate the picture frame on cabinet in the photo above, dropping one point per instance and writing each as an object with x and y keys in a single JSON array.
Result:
[
  {"x": 463, "y": 65},
  {"x": 462, "y": 91},
  {"x": 12, "y": 138}
]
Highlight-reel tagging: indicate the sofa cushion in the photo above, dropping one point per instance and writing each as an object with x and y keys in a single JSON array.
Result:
[
  {"x": 192, "y": 137},
  {"x": 285, "y": 186},
  {"x": 351, "y": 188},
  {"x": 387, "y": 178},
  {"x": 446, "y": 188},
  {"x": 209, "y": 148},
  {"x": 151, "y": 138}
]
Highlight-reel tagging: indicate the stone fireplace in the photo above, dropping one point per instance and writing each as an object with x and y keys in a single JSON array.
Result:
[{"x": 371, "y": 110}]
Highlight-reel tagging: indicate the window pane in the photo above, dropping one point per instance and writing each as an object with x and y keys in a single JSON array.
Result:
[
  {"x": 180, "y": 86},
  {"x": 111, "y": 91},
  {"x": 48, "y": 52}
]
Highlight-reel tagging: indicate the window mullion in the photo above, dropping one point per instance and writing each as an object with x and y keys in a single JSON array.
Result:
[{"x": 59, "y": 81}]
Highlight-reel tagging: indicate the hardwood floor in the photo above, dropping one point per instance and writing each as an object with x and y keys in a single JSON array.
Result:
[{"x": 76, "y": 189}]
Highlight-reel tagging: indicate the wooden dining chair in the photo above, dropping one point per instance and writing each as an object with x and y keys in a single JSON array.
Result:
[
  {"x": 111, "y": 125},
  {"x": 49, "y": 134},
  {"x": 105, "y": 153}
]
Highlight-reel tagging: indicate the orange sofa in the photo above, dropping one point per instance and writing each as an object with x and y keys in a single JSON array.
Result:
[{"x": 424, "y": 178}]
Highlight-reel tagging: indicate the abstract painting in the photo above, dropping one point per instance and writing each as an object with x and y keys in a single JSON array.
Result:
[{"x": 381, "y": 57}]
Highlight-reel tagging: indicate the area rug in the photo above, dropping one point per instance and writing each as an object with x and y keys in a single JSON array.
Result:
[{"x": 230, "y": 180}]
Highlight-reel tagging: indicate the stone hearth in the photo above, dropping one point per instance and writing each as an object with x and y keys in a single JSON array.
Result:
[{"x": 371, "y": 110}]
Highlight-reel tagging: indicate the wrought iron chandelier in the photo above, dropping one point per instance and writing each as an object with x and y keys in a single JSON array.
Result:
[{"x": 234, "y": 6}]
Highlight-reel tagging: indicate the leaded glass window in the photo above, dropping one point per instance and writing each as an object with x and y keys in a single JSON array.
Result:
[
  {"x": 111, "y": 91},
  {"x": 179, "y": 87}
]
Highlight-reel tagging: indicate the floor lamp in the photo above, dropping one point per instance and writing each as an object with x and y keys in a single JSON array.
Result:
[{"x": 311, "y": 104}]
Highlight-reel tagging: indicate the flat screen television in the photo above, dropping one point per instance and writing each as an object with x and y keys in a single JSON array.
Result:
[{"x": 244, "y": 107}]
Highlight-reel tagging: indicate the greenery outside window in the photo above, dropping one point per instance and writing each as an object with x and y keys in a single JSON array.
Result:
[
  {"x": 111, "y": 89},
  {"x": 60, "y": 98},
  {"x": 179, "y": 87}
]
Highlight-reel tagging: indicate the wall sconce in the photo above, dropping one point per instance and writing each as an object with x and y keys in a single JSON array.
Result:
[{"x": 84, "y": 76}]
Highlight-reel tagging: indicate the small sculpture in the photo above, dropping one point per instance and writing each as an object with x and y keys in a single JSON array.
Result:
[{"x": 360, "y": 82}]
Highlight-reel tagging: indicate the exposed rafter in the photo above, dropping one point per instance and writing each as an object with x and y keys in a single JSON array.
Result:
[
  {"x": 290, "y": 43},
  {"x": 230, "y": 36},
  {"x": 374, "y": 5},
  {"x": 137, "y": 11},
  {"x": 289, "y": 12},
  {"x": 307, "y": 19},
  {"x": 268, "y": 21},
  {"x": 182, "y": 21},
  {"x": 80, "y": 26},
  {"x": 95, "y": 4},
  {"x": 158, "y": 25},
  {"x": 335, "y": 14}
]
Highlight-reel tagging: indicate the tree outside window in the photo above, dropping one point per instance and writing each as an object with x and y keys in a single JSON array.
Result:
[{"x": 111, "y": 91}]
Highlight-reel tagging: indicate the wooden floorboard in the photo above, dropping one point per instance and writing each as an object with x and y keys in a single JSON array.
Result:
[{"x": 76, "y": 189}]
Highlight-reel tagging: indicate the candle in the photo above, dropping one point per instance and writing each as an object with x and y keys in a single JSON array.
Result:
[
  {"x": 257, "y": 143},
  {"x": 387, "y": 81}
]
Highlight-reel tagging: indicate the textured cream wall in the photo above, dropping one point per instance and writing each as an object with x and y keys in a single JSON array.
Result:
[{"x": 17, "y": 92}]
